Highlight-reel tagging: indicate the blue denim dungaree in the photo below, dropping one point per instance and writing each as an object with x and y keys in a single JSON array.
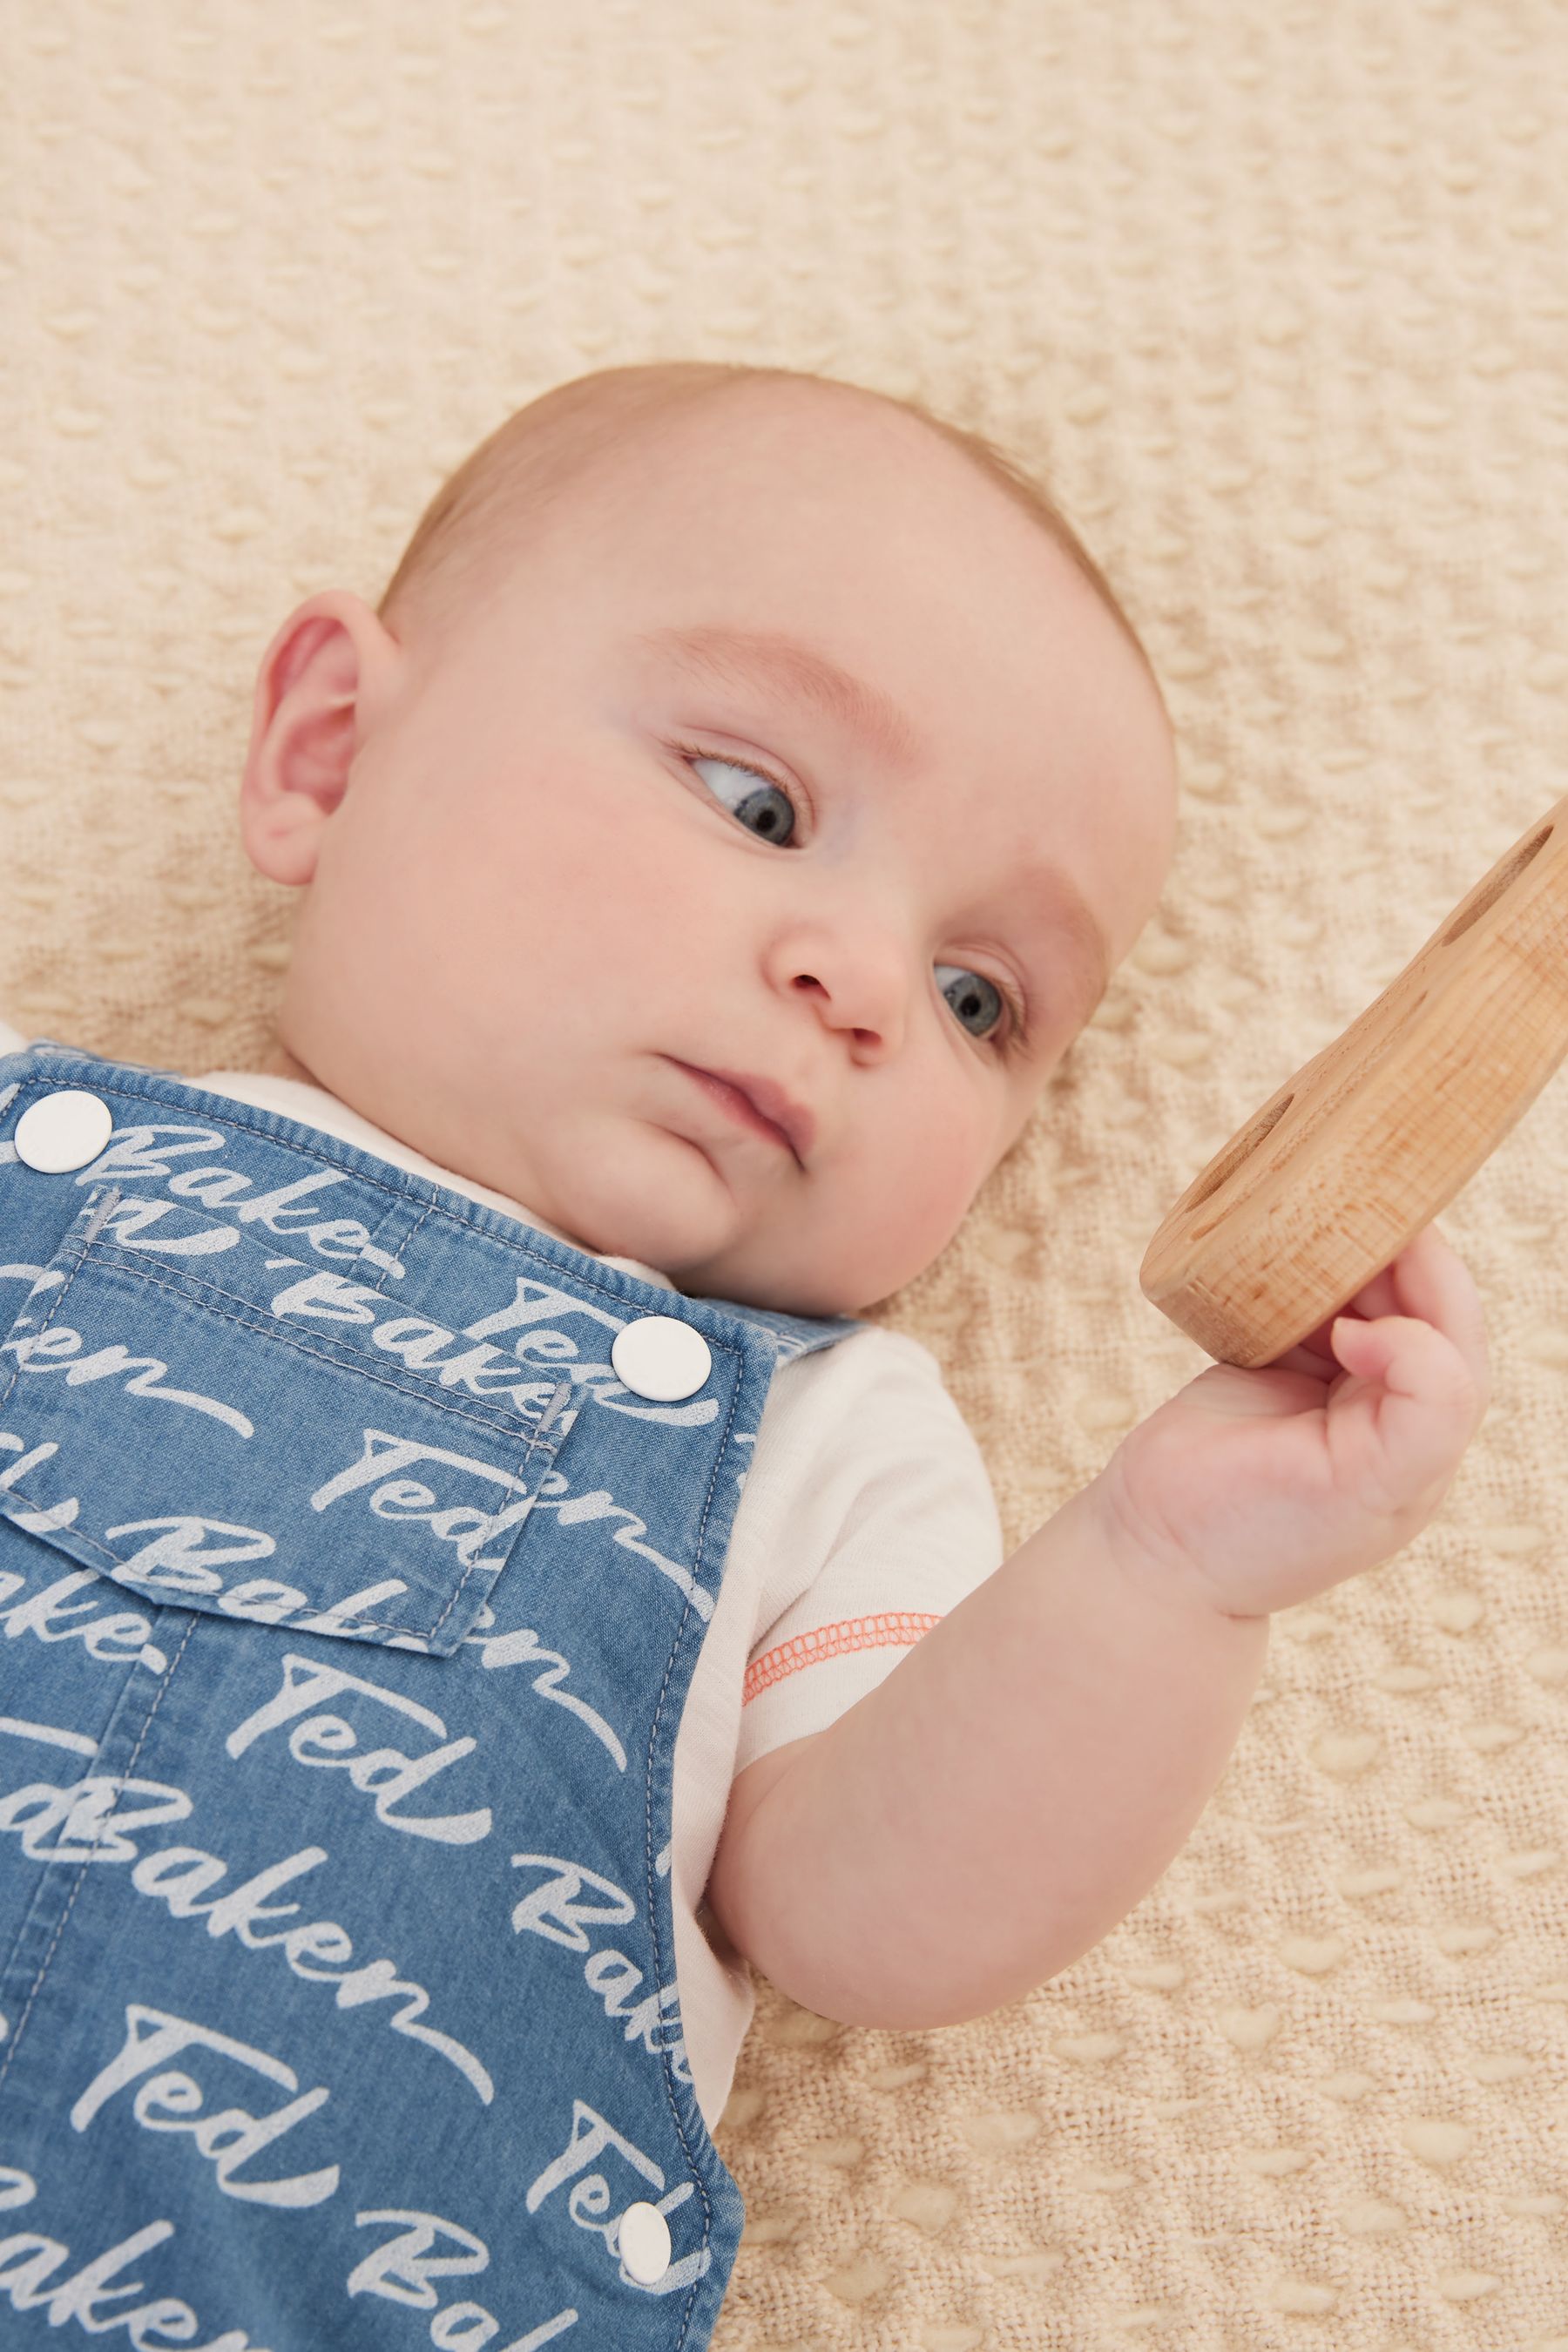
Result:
[{"x": 349, "y": 1601}]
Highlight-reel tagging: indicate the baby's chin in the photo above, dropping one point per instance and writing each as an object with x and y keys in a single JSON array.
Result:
[
  {"x": 673, "y": 1212},
  {"x": 696, "y": 1232}
]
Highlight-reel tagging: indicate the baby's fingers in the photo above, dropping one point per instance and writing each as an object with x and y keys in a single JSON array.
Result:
[
  {"x": 1413, "y": 1393},
  {"x": 1430, "y": 1280}
]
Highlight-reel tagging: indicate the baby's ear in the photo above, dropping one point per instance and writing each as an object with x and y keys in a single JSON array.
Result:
[{"x": 326, "y": 674}]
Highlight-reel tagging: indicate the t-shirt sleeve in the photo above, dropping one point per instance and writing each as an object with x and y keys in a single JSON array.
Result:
[
  {"x": 883, "y": 1518},
  {"x": 11, "y": 1039}
]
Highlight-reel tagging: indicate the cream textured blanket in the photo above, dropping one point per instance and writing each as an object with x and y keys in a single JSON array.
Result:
[{"x": 1279, "y": 301}]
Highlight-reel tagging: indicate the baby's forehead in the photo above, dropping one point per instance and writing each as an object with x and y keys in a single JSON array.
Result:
[
  {"x": 869, "y": 485},
  {"x": 846, "y": 480},
  {"x": 840, "y": 520}
]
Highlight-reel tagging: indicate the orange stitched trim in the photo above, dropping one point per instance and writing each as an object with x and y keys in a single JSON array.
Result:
[{"x": 831, "y": 1642}]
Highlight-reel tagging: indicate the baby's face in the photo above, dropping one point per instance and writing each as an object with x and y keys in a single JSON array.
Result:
[{"x": 612, "y": 832}]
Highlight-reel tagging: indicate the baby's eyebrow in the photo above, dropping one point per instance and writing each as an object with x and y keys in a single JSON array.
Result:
[
  {"x": 718, "y": 654},
  {"x": 1075, "y": 928}
]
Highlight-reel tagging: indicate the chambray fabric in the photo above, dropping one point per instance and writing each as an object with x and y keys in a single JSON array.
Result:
[{"x": 348, "y": 1603}]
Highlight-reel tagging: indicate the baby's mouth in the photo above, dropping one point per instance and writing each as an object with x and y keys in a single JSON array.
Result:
[{"x": 737, "y": 1102}]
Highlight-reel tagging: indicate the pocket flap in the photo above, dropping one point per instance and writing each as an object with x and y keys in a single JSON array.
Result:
[{"x": 161, "y": 1424}]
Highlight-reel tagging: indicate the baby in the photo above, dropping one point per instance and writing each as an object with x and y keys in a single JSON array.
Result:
[{"x": 722, "y": 829}]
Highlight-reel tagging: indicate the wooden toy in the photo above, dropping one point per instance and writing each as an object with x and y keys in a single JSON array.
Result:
[{"x": 1377, "y": 1134}]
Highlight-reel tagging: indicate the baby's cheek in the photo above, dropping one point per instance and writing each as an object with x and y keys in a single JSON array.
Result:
[{"x": 937, "y": 1168}]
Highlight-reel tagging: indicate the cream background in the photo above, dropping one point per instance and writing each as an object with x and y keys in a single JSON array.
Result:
[{"x": 1281, "y": 299}]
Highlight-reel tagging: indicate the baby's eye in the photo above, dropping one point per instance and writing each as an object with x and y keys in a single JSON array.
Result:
[
  {"x": 969, "y": 992},
  {"x": 766, "y": 808}
]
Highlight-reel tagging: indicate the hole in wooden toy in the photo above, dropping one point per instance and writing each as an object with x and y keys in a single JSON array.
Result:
[
  {"x": 1241, "y": 1150},
  {"x": 1492, "y": 890}
]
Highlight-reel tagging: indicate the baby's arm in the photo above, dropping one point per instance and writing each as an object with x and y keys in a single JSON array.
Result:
[
  {"x": 1026, "y": 1772},
  {"x": 1006, "y": 1795}
]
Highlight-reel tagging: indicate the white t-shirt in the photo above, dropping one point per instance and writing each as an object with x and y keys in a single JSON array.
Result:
[{"x": 867, "y": 1513}]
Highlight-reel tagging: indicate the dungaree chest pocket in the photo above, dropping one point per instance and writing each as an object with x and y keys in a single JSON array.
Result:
[{"x": 164, "y": 1421}]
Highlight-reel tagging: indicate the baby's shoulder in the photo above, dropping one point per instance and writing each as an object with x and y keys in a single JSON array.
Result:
[
  {"x": 872, "y": 1356},
  {"x": 871, "y": 1422},
  {"x": 875, "y": 1379}
]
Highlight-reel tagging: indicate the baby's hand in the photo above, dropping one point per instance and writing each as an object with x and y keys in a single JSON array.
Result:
[{"x": 1260, "y": 1488}]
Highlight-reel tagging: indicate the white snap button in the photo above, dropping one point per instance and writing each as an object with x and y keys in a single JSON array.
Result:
[
  {"x": 63, "y": 1131},
  {"x": 645, "y": 2243},
  {"x": 658, "y": 1355}
]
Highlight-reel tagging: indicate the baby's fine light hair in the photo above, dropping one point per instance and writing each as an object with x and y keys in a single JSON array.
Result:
[{"x": 470, "y": 534}]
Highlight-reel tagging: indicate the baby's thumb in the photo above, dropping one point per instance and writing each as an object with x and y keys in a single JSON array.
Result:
[{"x": 1363, "y": 1347}]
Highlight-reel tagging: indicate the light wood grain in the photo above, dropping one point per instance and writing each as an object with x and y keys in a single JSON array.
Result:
[{"x": 1375, "y": 1135}]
